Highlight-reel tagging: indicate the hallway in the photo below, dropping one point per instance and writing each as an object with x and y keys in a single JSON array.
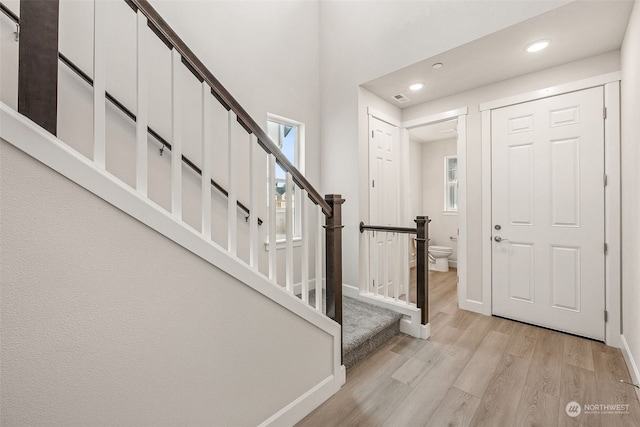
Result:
[{"x": 482, "y": 371}]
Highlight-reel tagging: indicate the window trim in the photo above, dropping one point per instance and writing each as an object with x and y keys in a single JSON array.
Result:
[
  {"x": 299, "y": 162},
  {"x": 447, "y": 202}
]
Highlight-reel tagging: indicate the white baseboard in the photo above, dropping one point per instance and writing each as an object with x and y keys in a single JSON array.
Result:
[
  {"x": 453, "y": 263},
  {"x": 631, "y": 364},
  {"x": 350, "y": 291},
  {"x": 471, "y": 305},
  {"x": 297, "y": 288},
  {"x": 303, "y": 405},
  {"x": 410, "y": 324},
  {"x": 406, "y": 327}
]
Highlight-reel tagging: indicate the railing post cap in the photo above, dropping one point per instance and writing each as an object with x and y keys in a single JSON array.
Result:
[{"x": 335, "y": 198}]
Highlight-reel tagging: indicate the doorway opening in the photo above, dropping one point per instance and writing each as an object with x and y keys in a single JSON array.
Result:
[
  {"x": 434, "y": 187},
  {"x": 434, "y": 155}
]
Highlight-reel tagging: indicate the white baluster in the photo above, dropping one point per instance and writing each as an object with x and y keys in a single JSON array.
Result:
[
  {"x": 318, "y": 279},
  {"x": 272, "y": 218},
  {"x": 232, "y": 199},
  {"x": 376, "y": 261},
  {"x": 289, "y": 232},
  {"x": 176, "y": 134},
  {"x": 407, "y": 268},
  {"x": 367, "y": 258},
  {"x": 253, "y": 203},
  {"x": 99, "y": 85},
  {"x": 143, "y": 102},
  {"x": 385, "y": 264},
  {"x": 304, "y": 215},
  {"x": 206, "y": 159},
  {"x": 396, "y": 267}
]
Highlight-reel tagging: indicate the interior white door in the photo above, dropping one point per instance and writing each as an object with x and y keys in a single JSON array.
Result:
[
  {"x": 383, "y": 201},
  {"x": 548, "y": 212}
]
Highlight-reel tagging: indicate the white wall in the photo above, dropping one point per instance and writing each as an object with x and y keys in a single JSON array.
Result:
[
  {"x": 106, "y": 322},
  {"x": 630, "y": 154},
  {"x": 577, "y": 70},
  {"x": 442, "y": 225},
  {"x": 362, "y": 40},
  {"x": 416, "y": 192}
]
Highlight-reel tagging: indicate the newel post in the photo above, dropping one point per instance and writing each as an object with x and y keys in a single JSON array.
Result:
[
  {"x": 38, "y": 62},
  {"x": 422, "y": 279},
  {"x": 333, "y": 236}
]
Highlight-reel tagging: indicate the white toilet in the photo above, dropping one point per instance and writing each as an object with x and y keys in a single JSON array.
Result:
[{"x": 441, "y": 255}]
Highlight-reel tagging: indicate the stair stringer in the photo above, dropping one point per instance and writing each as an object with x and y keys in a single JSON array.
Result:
[{"x": 30, "y": 138}]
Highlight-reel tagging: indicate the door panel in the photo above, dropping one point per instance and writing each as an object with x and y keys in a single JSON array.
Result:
[
  {"x": 548, "y": 203},
  {"x": 383, "y": 201}
]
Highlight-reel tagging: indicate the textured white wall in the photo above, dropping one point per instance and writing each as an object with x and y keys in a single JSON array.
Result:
[
  {"x": 442, "y": 226},
  {"x": 106, "y": 322},
  {"x": 362, "y": 40},
  {"x": 630, "y": 154},
  {"x": 589, "y": 67}
]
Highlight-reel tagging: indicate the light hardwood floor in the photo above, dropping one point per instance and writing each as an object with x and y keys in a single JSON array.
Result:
[{"x": 481, "y": 371}]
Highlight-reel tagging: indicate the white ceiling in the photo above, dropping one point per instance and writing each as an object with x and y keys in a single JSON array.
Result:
[
  {"x": 435, "y": 132},
  {"x": 578, "y": 30}
]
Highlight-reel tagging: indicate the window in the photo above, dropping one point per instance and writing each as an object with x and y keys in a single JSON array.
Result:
[
  {"x": 451, "y": 184},
  {"x": 288, "y": 135}
]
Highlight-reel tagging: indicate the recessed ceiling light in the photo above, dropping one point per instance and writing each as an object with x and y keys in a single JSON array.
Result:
[
  {"x": 437, "y": 65},
  {"x": 416, "y": 86},
  {"x": 537, "y": 46}
]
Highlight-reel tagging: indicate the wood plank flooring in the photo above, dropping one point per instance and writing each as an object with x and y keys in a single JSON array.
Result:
[{"x": 481, "y": 371}]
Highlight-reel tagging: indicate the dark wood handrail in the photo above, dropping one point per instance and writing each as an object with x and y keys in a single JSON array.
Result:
[
  {"x": 388, "y": 228},
  {"x": 84, "y": 76},
  {"x": 161, "y": 28},
  {"x": 4, "y": 9},
  {"x": 422, "y": 255}
]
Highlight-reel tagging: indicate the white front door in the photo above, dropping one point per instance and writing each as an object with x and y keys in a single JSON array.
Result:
[
  {"x": 548, "y": 212},
  {"x": 383, "y": 199}
]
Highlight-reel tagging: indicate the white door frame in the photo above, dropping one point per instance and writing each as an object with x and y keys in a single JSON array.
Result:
[
  {"x": 461, "y": 115},
  {"x": 611, "y": 84}
]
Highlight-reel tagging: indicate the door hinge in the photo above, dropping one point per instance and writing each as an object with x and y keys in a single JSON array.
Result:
[
  {"x": 373, "y": 183},
  {"x": 606, "y": 249},
  {"x": 606, "y": 180},
  {"x": 604, "y": 113},
  {"x": 606, "y": 316},
  {"x": 372, "y": 134}
]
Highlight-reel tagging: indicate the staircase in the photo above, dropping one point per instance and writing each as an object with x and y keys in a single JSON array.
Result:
[
  {"x": 365, "y": 328},
  {"x": 170, "y": 188},
  {"x": 224, "y": 330}
]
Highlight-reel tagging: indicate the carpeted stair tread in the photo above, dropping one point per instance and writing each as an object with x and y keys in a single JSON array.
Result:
[{"x": 365, "y": 327}]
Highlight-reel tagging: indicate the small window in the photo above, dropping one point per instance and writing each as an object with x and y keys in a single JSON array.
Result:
[
  {"x": 288, "y": 135},
  {"x": 451, "y": 184}
]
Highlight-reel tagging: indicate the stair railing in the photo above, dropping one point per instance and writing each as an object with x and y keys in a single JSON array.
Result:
[
  {"x": 387, "y": 271},
  {"x": 238, "y": 121}
]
